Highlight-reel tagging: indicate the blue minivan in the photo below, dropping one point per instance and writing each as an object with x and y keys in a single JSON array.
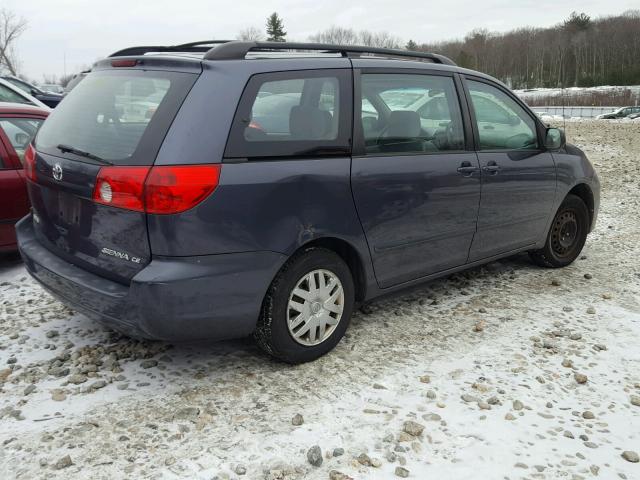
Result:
[{"x": 223, "y": 189}]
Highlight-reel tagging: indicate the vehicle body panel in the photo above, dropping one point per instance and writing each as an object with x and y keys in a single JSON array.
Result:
[
  {"x": 418, "y": 212},
  {"x": 211, "y": 297},
  {"x": 573, "y": 169},
  {"x": 204, "y": 272},
  {"x": 71, "y": 224},
  {"x": 14, "y": 201},
  {"x": 108, "y": 241},
  {"x": 264, "y": 205},
  {"x": 516, "y": 202}
]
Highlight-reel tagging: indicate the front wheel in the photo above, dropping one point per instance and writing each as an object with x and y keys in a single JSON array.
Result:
[
  {"x": 567, "y": 235},
  {"x": 307, "y": 308}
]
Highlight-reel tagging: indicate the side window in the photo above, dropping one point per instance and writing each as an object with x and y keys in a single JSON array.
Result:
[
  {"x": 293, "y": 114},
  {"x": 8, "y": 95},
  {"x": 502, "y": 123},
  {"x": 410, "y": 114},
  {"x": 20, "y": 132}
]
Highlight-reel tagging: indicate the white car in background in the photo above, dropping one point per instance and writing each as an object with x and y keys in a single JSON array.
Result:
[
  {"x": 9, "y": 93},
  {"x": 52, "y": 88}
]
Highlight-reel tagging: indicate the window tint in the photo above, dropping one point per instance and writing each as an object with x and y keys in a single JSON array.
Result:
[
  {"x": 279, "y": 112},
  {"x": 20, "y": 132},
  {"x": 111, "y": 113},
  {"x": 410, "y": 113},
  {"x": 502, "y": 123},
  {"x": 8, "y": 95},
  {"x": 292, "y": 113}
]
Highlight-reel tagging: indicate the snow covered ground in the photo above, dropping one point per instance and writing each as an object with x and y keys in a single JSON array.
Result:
[
  {"x": 487, "y": 364},
  {"x": 607, "y": 90}
]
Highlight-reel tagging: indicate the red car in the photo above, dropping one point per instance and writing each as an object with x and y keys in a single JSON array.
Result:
[{"x": 18, "y": 125}]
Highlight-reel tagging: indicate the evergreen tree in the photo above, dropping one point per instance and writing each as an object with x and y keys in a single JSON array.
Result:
[
  {"x": 275, "y": 28},
  {"x": 411, "y": 45},
  {"x": 577, "y": 22}
]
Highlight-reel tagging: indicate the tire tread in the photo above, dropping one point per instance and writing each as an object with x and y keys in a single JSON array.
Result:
[{"x": 263, "y": 334}]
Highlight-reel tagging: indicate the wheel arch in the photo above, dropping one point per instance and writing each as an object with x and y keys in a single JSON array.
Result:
[
  {"x": 351, "y": 257},
  {"x": 584, "y": 192}
]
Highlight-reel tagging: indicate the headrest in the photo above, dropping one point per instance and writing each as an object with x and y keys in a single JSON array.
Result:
[
  {"x": 403, "y": 124},
  {"x": 309, "y": 123}
]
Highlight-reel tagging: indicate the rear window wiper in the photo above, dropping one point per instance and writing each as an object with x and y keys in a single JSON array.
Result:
[{"x": 82, "y": 153}]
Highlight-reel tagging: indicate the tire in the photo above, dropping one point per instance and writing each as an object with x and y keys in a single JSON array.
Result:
[
  {"x": 566, "y": 236},
  {"x": 273, "y": 333}
]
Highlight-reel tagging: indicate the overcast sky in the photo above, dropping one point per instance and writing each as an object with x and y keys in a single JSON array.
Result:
[{"x": 84, "y": 30}]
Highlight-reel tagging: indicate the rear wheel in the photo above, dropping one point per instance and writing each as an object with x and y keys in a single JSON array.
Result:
[
  {"x": 567, "y": 235},
  {"x": 307, "y": 308}
]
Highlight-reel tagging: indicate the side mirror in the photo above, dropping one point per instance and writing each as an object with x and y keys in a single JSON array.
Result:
[
  {"x": 514, "y": 120},
  {"x": 555, "y": 139}
]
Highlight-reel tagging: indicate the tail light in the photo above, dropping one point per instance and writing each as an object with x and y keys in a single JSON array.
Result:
[
  {"x": 121, "y": 187},
  {"x": 30, "y": 163},
  {"x": 176, "y": 189},
  {"x": 124, "y": 63},
  {"x": 160, "y": 190}
]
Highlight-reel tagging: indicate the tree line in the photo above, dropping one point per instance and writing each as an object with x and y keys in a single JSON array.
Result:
[{"x": 578, "y": 52}]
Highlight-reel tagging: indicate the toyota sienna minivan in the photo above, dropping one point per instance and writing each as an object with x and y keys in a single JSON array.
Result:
[{"x": 215, "y": 190}]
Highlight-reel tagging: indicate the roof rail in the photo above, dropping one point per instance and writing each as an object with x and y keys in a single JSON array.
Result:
[
  {"x": 198, "y": 47},
  {"x": 236, "y": 50}
]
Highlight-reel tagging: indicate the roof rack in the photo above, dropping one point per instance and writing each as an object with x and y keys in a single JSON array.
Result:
[
  {"x": 236, "y": 50},
  {"x": 196, "y": 47}
]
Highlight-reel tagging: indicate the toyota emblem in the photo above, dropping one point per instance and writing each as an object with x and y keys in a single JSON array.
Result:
[{"x": 57, "y": 172}]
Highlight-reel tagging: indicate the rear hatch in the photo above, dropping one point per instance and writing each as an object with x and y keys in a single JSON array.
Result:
[{"x": 116, "y": 118}]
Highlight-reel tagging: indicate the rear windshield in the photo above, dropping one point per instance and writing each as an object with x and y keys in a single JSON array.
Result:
[{"x": 117, "y": 116}]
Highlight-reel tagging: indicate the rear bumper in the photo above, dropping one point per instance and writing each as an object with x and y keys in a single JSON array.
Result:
[{"x": 210, "y": 297}]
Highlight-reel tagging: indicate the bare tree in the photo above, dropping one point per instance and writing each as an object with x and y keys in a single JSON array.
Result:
[
  {"x": 579, "y": 51},
  {"x": 251, "y": 34},
  {"x": 347, "y": 36},
  {"x": 49, "y": 79},
  {"x": 336, "y": 36},
  {"x": 65, "y": 79},
  {"x": 378, "y": 39},
  {"x": 11, "y": 27}
]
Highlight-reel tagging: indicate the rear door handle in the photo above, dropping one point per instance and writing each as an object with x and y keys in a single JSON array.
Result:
[
  {"x": 467, "y": 169},
  {"x": 491, "y": 168}
]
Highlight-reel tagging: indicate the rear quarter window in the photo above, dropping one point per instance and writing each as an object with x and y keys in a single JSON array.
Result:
[
  {"x": 118, "y": 116},
  {"x": 298, "y": 113}
]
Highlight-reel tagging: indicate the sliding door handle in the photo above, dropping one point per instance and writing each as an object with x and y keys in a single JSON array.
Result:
[
  {"x": 467, "y": 169},
  {"x": 491, "y": 168}
]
